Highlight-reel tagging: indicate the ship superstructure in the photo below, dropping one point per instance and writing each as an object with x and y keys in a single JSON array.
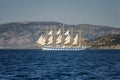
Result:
[{"x": 61, "y": 39}]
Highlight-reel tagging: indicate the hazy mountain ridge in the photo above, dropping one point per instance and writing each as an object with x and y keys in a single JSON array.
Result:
[
  {"x": 106, "y": 42},
  {"x": 24, "y": 35}
]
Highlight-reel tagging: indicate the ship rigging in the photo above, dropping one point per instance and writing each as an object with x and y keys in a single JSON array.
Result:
[{"x": 61, "y": 39}]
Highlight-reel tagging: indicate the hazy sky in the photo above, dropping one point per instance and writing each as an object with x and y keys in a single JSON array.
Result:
[{"x": 98, "y": 12}]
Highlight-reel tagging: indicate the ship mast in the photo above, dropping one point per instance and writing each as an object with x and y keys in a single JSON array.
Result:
[
  {"x": 46, "y": 35},
  {"x": 54, "y": 35},
  {"x": 80, "y": 37},
  {"x": 63, "y": 36},
  {"x": 71, "y": 36}
]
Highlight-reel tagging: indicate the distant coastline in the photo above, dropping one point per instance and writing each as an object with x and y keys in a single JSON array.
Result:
[
  {"x": 106, "y": 42},
  {"x": 20, "y": 35}
]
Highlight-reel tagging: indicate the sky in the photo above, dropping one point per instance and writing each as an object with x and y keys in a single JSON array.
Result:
[{"x": 97, "y": 12}]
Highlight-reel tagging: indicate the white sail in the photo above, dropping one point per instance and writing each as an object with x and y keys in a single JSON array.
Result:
[
  {"x": 75, "y": 41},
  {"x": 67, "y": 32},
  {"x": 51, "y": 32},
  {"x": 59, "y": 39},
  {"x": 67, "y": 39},
  {"x": 41, "y": 40},
  {"x": 50, "y": 40},
  {"x": 59, "y": 31}
]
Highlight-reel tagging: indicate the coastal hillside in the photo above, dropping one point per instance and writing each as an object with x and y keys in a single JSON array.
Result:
[
  {"x": 21, "y": 35},
  {"x": 106, "y": 42}
]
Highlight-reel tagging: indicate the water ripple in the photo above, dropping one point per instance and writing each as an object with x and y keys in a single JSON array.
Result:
[{"x": 62, "y": 65}]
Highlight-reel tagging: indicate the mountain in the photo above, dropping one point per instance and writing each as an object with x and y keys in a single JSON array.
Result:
[
  {"x": 106, "y": 42},
  {"x": 20, "y": 35}
]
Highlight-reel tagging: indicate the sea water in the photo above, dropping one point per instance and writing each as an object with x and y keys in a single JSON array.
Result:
[{"x": 59, "y": 65}]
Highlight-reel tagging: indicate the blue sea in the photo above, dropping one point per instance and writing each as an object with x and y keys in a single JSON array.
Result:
[{"x": 59, "y": 65}]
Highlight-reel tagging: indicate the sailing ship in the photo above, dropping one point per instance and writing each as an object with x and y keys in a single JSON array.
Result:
[{"x": 61, "y": 39}]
